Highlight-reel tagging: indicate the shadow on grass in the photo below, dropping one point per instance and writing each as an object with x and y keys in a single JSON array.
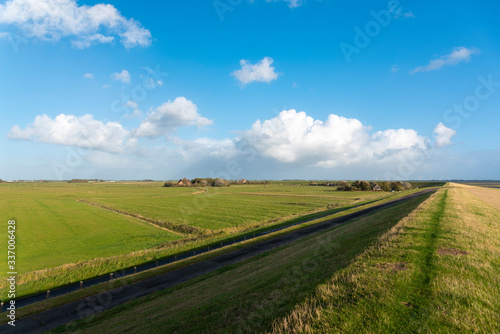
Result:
[
  {"x": 333, "y": 251},
  {"x": 420, "y": 291}
]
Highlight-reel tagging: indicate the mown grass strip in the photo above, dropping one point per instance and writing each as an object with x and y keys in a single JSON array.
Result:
[{"x": 420, "y": 290}]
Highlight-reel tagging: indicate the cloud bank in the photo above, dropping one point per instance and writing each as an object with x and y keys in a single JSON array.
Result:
[
  {"x": 289, "y": 142},
  {"x": 294, "y": 137},
  {"x": 83, "y": 132},
  {"x": 86, "y": 25}
]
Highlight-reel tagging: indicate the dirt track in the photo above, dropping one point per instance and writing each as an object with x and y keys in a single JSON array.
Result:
[{"x": 86, "y": 308}]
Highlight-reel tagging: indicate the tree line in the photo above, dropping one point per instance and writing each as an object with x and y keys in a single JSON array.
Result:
[
  {"x": 362, "y": 185},
  {"x": 208, "y": 182}
]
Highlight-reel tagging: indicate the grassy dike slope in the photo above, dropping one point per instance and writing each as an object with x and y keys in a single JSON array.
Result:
[
  {"x": 437, "y": 271},
  {"x": 247, "y": 297}
]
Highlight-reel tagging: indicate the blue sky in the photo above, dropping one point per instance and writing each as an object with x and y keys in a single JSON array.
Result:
[{"x": 255, "y": 89}]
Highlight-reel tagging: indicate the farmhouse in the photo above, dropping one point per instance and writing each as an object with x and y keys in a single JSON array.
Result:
[
  {"x": 184, "y": 183},
  {"x": 377, "y": 188},
  {"x": 241, "y": 181}
]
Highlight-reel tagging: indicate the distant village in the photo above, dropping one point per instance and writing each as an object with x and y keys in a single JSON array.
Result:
[
  {"x": 340, "y": 186},
  {"x": 209, "y": 182}
]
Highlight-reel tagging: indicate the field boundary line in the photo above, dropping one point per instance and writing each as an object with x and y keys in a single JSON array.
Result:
[
  {"x": 200, "y": 191},
  {"x": 177, "y": 229}
]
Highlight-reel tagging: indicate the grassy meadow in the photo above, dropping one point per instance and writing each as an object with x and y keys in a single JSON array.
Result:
[
  {"x": 69, "y": 232},
  {"x": 236, "y": 206},
  {"x": 427, "y": 265}
]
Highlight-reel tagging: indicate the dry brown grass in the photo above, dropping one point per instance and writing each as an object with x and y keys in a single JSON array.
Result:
[
  {"x": 450, "y": 251},
  {"x": 489, "y": 195},
  {"x": 398, "y": 266}
]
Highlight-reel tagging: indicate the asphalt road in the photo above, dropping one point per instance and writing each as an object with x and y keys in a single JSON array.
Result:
[{"x": 88, "y": 307}]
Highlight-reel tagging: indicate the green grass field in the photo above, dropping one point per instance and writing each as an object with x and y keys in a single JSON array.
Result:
[
  {"x": 53, "y": 230},
  {"x": 219, "y": 208},
  {"x": 61, "y": 239},
  {"x": 428, "y": 265}
]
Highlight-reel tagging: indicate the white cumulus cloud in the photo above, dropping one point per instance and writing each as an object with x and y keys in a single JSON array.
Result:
[
  {"x": 88, "y": 76},
  {"x": 261, "y": 72},
  {"x": 443, "y": 135},
  {"x": 86, "y": 25},
  {"x": 84, "y": 132},
  {"x": 294, "y": 137},
  {"x": 170, "y": 116},
  {"x": 291, "y": 139},
  {"x": 458, "y": 55},
  {"x": 122, "y": 76}
]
